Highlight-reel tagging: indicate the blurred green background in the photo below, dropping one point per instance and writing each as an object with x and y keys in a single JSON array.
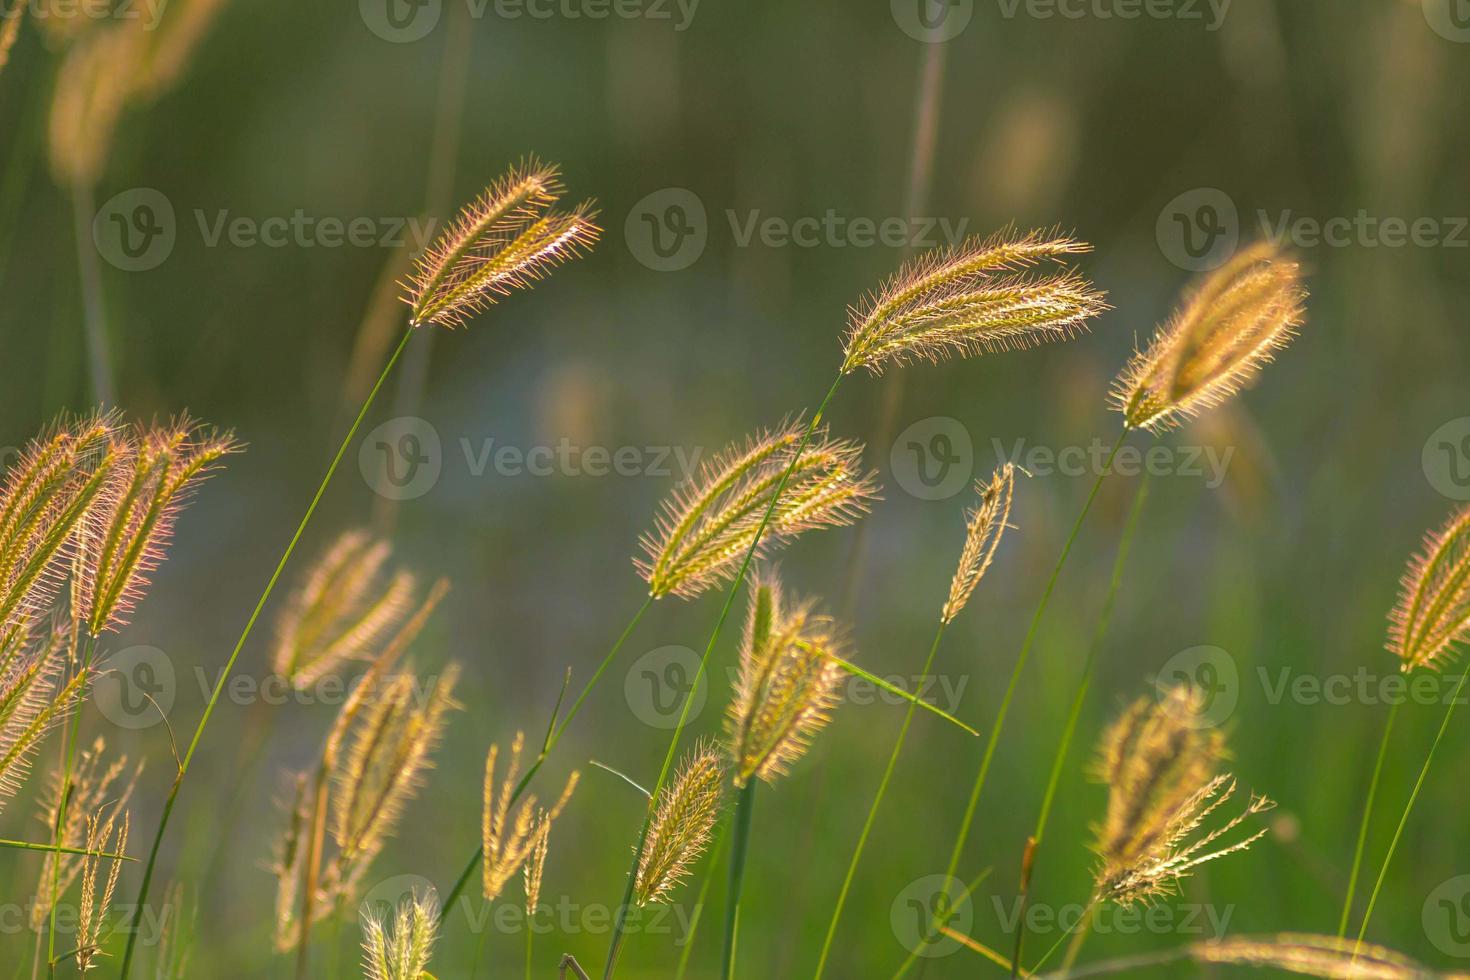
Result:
[{"x": 1102, "y": 124}]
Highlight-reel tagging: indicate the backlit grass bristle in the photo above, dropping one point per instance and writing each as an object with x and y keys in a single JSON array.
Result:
[
  {"x": 1433, "y": 612},
  {"x": 345, "y": 610},
  {"x": 509, "y": 834},
  {"x": 705, "y": 528},
  {"x": 288, "y": 864},
  {"x": 91, "y": 788},
  {"x": 980, "y": 297},
  {"x": 1160, "y": 761},
  {"x": 1314, "y": 956},
  {"x": 680, "y": 831},
  {"x": 129, "y": 529},
  {"x": 535, "y": 867},
  {"x": 104, "y": 833},
  {"x": 984, "y": 526},
  {"x": 1215, "y": 344},
  {"x": 787, "y": 686},
  {"x": 401, "y": 949},
  {"x": 507, "y": 239},
  {"x": 35, "y": 694}
]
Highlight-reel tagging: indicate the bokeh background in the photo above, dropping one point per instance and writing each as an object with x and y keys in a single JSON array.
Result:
[{"x": 1133, "y": 131}]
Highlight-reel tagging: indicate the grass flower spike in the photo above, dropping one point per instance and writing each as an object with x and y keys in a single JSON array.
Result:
[
  {"x": 680, "y": 832},
  {"x": 344, "y": 611},
  {"x": 1160, "y": 761},
  {"x": 984, "y": 526},
  {"x": 92, "y": 928},
  {"x": 787, "y": 684},
  {"x": 506, "y": 240},
  {"x": 1433, "y": 613},
  {"x": 510, "y": 833},
  {"x": 1217, "y": 342},
  {"x": 33, "y": 698},
  {"x": 980, "y": 297},
  {"x": 401, "y": 950},
  {"x": 704, "y": 529}
]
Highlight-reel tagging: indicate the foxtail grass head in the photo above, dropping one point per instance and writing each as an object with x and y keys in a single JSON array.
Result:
[
  {"x": 1160, "y": 760},
  {"x": 680, "y": 830},
  {"x": 401, "y": 949},
  {"x": 347, "y": 607},
  {"x": 129, "y": 530},
  {"x": 787, "y": 686},
  {"x": 508, "y": 239},
  {"x": 1000, "y": 293},
  {"x": 510, "y": 829},
  {"x": 1216, "y": 343},
  {"x": 1433, "y": 613},
  {"x": 36, "y": 693},
  {"x": 983, "y": 529},
  {"x": 704, "y": 529},
  {"x": 107, "y": 831}
]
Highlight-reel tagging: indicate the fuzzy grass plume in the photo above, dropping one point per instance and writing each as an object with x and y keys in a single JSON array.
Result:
[
  {"x": 787, "y": 684},
  {"x": 680, "y": 832},
  {"x": 510, "y": 833},
  {"x": 984, "y": 526},
  {"x": 345, "y": 610},
  {"x": 983, "y": 296},
  {"x": 1160, "y": 762},
  {"x": 1216, "y": 343},
  {"x": 130, "y": 528},
  {"x": 1433, "y": 612},
  {"x": 1313, "y": 956},
  {"x": 104, "y": 832},
  {"x": 401, "y": 949},
  {"x": 705, "y": 528},
  {"x": 35, "y": 695},
  {"x": 508, "y": 238}
]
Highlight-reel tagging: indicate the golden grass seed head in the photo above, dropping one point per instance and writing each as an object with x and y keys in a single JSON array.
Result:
[
  {"x": 344, "y": 610},
  {"x": 1433, "y": 612},
  {"x": 1313, "y": 956},
  {"x": 35, "y": 694},
  {"x": 402, "y": 949},
  {"x": 704, "y": 529},
  {"x": 510, "y": 828},
  {"x": 787, "y": 686},
  {"x": 104, "y": 833},
  {"x": 980, "y": 297},
  {"x": 984, "y": 526},
  {"x": 507, "y": 239},
  {"x": 535, "y": 867},
  {"x": 1226, "y": 330},
  {"x": 682, "y": 821},
  {"x": 14, "y": 16}
]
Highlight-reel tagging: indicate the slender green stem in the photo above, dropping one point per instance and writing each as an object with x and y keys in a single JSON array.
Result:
[
  {"x": 620, "y": 918},
  {"x": 69, "y": 753},
  {"x": 173, "y": 794},
  {"x": 553, "y": 736},
  {"x": 1347, "y": 904},
  {"x": 1069, "y": 730},
  {"x": 706, "y": 878},
  {"x": 872, "y": 816},
  {"x": 739, "y": 848},
  {"x": 969, "y": 818},
  {"x": 530, "y": 935},
  {"x": 1409, "y": 808}
]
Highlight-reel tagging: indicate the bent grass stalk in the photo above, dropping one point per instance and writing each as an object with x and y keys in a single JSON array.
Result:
[
  {"x": 183, "y": 769},
  {"x": 969, "y": 818},
  {"x": 1074, "y": 713}
]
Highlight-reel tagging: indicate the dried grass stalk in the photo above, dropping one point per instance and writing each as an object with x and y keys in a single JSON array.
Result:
[
  {"x": 787, "y": 685},
  {"x": 705, "y": 528},
  {"x": 1313, "y": 956},
  {"x": 984, "y": 526},
  {"x": 983, "y": 296},
  {"x": 1216, "y": 342},
  {"x": 507, "y": 239},
  {"x": 1433, "y": 613},
  {"x": 680, "y": 831}
]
